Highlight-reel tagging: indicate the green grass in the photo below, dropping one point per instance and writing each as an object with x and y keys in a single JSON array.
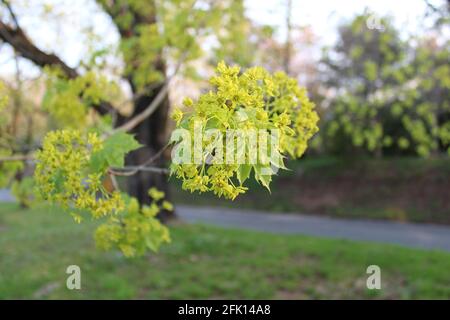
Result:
[{"x": 36, "y": 246}]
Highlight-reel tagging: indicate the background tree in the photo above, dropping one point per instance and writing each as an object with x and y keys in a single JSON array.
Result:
[
  {"x": 389, "y": 94},
  {"x": 363, "y": 65}
]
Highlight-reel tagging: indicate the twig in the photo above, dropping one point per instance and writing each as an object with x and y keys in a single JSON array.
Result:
[
  {"x": 143, "y": 166},
  {"x": 156, "y": 156},
  {"x": 153, "y": 106},
  {"x": 17, "y": 158},
  {"x": 113, "y": 181},
  {"x": 431, "y": 6},
  {"x": 123, "y": 171},
  {"x": 133, "y": 122},
  {"x": 17, "y": 38},
  {"x": 11, "y": 13},
  {"x": 140, "y": 94}
]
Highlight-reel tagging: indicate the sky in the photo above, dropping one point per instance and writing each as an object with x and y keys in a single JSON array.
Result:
[
  {"x": 324, "y": 15},
  {"x": 57, "y": 31}
]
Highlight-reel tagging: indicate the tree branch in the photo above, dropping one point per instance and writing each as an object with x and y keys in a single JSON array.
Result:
[
  {"x": 11, "y": 12},
  {"x": 153, "y": 106},
  {"x": 17, "y": 158},
  {"x": 132, "y": 170},
  {"x": 142, "y": 167},
  {"x": 28, "y": 50},
  {"x": 25, "y": 48},
  {"x": 125, "y": 171}
]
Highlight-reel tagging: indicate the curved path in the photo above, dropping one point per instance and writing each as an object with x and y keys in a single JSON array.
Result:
[{"x": 426, "y": 236}]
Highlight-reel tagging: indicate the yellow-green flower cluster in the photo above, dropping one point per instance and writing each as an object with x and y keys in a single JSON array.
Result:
[
  {"x": 63, "y": 174},
  {"x": 253, "y": 100},
  {"x": 71, "y": 170},
  {"x": 135, "y": 229}
]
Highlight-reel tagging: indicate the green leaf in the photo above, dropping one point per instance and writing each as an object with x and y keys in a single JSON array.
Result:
[
  {"x": 98, "y": 162},
  {"x": 113, "y": 152},
  {"x": 263, "y": 174},
  {"x": 276, "y": 159},
  {"x": 243, "y": 172},
  {"x": 265, "y": 181}
]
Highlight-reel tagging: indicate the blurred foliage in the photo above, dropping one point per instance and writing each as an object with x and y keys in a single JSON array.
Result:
[
  {"x": 391, "y": 96},
  {"x": 68, "y": 100},
  {"x": 3, "y": 97},
  {"x": 24, "y": 191},
  {"x": 155, "y": 32},
  {"x": 8, "y": 169}
]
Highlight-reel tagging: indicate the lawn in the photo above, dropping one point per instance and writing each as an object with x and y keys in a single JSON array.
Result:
[{"x": 36, "y": 246}]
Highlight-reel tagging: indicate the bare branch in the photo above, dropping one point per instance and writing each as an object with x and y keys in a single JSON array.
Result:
[
  {"x": 124, "y": 171},
  {"x": 11, "y": 12},
  {"x": 153, "y": 106},
  {"x": 25, "y": 48},
  {"x": 113, "y": 180},
  {"x": 131, "y": 170},
  {"x": 18, "y": 157},
  {"x": 28, "y": 50},
  {"x": 134, "y": 169}
]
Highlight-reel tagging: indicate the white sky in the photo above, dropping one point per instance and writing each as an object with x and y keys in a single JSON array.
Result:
[
  {"x": 325, "y": 15},
  {"x": 59, "y": 31}
]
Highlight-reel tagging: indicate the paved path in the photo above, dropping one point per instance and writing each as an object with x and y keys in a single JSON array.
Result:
[
  {"x": 5, "y": 196},
  {"x": 425, "y": 236}
]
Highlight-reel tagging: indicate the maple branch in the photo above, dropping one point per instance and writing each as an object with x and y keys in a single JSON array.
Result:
[
  {"x": 18, "y": 157},
  {"x": 124, "y": 171},
  {"x": 134, "y": 169}
]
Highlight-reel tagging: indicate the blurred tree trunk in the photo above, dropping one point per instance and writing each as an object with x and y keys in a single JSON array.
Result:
[{"x": 151, "y": 132}]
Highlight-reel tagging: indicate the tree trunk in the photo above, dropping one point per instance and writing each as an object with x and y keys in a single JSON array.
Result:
[{"x": 151, "y": 133}]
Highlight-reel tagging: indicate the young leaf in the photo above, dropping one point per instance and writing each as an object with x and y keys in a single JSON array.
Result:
[
  {"x": 114, "y": 150},
  {"x": 243, "y": 172},
  {"x": 263, "y": 174}
]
